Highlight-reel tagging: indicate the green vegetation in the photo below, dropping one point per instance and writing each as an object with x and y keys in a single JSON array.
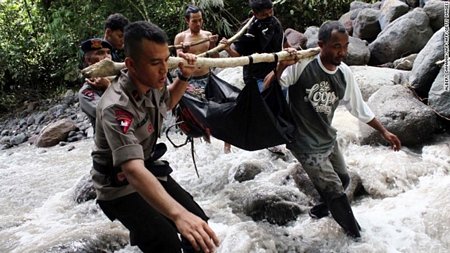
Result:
[{"x": 39, "y": 39}]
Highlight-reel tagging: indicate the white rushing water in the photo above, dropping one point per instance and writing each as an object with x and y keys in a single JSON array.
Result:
[{"x": 407, "y": 210}]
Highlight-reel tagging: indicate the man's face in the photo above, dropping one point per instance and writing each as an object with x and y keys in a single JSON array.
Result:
[
  {"x": 266, "y": 13},
  {"x": 195, "y": 22},
  {"x": 334, "y": 51},
  {"x": 151, "y": 67},
  {"x": 95, "y": 56},
  {"x": 115, "y": 38}
]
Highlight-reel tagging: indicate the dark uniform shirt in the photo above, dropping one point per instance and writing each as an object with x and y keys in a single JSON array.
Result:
[
  {"x": 127, "y": 127},
  {"x": 263, "y": 36},
  {"x": 117, "y": 55}
]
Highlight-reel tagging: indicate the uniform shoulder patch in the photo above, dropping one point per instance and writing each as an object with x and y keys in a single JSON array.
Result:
[
  {"x": 88, "y": 93},
  {"x": 124, "y": 119}
]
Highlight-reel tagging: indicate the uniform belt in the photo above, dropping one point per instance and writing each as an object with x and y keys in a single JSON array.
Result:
[{"x": 159, "y": 168}]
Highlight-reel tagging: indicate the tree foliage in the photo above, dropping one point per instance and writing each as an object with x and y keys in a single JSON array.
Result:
[{"x": 39, "y": 39}]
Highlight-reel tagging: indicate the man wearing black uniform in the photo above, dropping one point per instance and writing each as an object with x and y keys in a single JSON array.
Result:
[
  {"x": 264, "y": 35},
  {"x": 114, "y": 25}
]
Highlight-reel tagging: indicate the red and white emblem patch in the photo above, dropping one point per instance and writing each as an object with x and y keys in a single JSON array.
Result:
[
  {"x": 150, "y": 128},
  {"x": 88, "y": 93},
  {"x": 124, "y": 119}
]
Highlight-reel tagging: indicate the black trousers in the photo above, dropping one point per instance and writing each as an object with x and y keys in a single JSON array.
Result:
[{"x": 150, "y": 230}]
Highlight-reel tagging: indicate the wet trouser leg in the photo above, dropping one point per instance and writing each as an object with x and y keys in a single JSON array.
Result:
[
  {"x": 328, "y": 172},
  {"x": 150, "y": 230}
]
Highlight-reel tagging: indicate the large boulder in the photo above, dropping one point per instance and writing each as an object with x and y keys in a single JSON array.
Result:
[
  {"x": 347, "y": 20},
  {"x": 435, "y": 11},
  {"x": 412, "y": 3},
  {"x": 391, "y": 10},
  {"x": 425, "y": 70},
  {"x": 312, "y": 34},
  {"x": 358, "y": 52},
  {"x": 359, "y": 5},
  {"x": 273, "y": 203},
  {"x": 370, "y": 79},
  {"x": 366, "y": 25},
  {"x": 295, "y": 38},
  {"x": 248, "y": 170},
  {"x": 400, "y": 112},
  {"x": 405, "y": 35},
  {"x": 55, "y": 132},
  {"x": 439, "y": 96}
]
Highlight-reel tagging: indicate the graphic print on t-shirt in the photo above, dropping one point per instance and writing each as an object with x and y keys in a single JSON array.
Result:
[{"x": 322, "y": 97}]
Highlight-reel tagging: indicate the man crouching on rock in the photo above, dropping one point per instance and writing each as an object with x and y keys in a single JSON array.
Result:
[{"x": 131, "y": 186}]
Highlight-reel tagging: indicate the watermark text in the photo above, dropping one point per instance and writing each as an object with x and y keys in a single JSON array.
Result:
[{"x": 446, "y": 45}]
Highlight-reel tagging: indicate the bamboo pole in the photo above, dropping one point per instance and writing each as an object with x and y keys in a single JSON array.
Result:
[
  {"x": 221, "y": 46},
  {"x": 108, "y": 68}
]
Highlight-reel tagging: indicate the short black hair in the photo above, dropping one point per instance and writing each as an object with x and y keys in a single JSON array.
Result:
[
  {"x": 137, "y": 31},
  {"x": 328, "y": 27},
  {"x": 116, "y": 21},
  {"x": 191, "y": 9},
  {"x": 260, "y": 5}
]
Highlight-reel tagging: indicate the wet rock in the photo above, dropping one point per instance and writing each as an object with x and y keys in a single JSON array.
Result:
[
  {"x": 248, "y": 170},
  {"x": 55, "y": 132},
  {"x": 84, "y": 189},
  {"x": 19, "y": 139},
  {"x": 405, "y": 35},
  {"x": 366, "y": 25},
  {"x": 439, "y": 96},
  {"x": 401, "y": 113},
  {"x": 425, "y": 70},
  {"x": 278, "y": 208},
  {"x": 358, "y": 52}
]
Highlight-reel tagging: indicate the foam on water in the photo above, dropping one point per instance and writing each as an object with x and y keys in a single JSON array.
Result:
[{"x": 407, "y": 210}]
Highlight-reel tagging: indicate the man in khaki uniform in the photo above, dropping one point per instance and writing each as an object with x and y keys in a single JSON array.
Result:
[
  {"x": 132, "y": 185},
  {"x": 94, "y": 50}
]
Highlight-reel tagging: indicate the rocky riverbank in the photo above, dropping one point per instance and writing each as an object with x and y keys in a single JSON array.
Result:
[{"x": 26, "y": 123}]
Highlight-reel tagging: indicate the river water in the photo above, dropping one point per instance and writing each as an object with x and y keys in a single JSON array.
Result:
[{"x": 407, "y": 210}]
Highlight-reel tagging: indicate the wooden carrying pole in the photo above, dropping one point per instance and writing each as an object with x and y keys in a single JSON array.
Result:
[
  {"x": 198, "y": 42},
  {"x": 221, "y": 46},
  {"x": 108, "y": 68}
]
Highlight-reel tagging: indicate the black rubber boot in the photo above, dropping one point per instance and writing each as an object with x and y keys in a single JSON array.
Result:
[
  {"x": 342, "y": 212},
  {"x": 319, "y": 211}
]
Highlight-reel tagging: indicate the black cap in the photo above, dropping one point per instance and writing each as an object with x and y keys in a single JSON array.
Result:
[{"x": 94, "y": 44}]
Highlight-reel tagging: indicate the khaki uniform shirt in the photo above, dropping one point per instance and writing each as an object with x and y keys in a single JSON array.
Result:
[
  {"x": 127, "y": 127},
  {"x": 88, "y": 97}
]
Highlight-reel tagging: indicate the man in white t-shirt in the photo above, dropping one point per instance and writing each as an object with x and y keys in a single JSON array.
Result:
[{"x": 316, "y": 87}]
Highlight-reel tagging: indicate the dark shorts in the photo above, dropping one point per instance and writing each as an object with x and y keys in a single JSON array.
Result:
[{"x": 150, "y": 230}]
